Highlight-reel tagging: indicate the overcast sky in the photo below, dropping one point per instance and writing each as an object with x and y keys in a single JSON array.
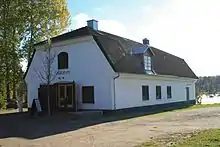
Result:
[{"x": 189, "y": 29}]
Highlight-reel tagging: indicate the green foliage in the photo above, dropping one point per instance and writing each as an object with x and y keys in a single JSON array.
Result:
[
  {"x": 22, "y": 24},
  {"x": 3, "y": 102},
  {"x": 45, "y": 19}
]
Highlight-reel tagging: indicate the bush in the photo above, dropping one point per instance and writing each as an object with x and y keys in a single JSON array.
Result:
[
  {"x": 24, "y": 105},
  {"x": 3, "y": 103}
]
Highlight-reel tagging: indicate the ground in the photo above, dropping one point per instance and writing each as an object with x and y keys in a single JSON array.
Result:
[{"x": 66, "y": 130}]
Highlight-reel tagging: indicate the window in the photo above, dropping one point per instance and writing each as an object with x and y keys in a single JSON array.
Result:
[
  {"x": 88, "y": 94},
  {"x": 169, "y": 93},
  {"x": 147, "y": 63},
  {"x": 145, "y": 93},
  {"x": 158, "y": 92},
  {"x": 63, "y": 60}
]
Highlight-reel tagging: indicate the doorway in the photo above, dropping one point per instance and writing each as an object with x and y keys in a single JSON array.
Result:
[
  {"x": 66, "y": 97},
  {"x": 187, "y": 93}
]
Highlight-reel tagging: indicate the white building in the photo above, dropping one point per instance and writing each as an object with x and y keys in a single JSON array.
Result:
[{"x": 96, "y": 70}]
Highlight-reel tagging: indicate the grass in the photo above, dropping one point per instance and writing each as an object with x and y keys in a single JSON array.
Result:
[
  {"x": 4, "y": 111},
  {"x": 209, "y": 137},
  {"x": 190, "y": 108},
  {"x": 204, "y": 106}
]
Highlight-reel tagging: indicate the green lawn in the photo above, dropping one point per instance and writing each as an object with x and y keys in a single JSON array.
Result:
[
  {"x": 204, "y": 138},
  {"x": 189, "y": 108}
]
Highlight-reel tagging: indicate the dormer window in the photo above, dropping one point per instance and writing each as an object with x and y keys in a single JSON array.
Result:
[{"x": 147, "y": 63}]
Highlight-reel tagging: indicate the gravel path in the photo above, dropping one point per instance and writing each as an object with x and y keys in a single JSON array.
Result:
[{"x": 65, "y": 131}]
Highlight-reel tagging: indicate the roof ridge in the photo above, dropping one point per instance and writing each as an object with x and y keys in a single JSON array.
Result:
[
  {"x": 139, "y": 43},
  {"x": 64, "y": 34},
  {"x": 120, "y": 37}
]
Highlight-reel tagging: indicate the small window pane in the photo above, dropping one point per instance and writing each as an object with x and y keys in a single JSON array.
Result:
[{"x": 158, "y": 92}]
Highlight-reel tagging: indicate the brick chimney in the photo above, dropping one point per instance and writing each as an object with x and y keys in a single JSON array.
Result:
[{"x": 146, "y": 41}]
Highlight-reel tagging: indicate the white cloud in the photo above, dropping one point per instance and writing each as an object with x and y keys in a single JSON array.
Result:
[
  {"x": 107, "y": 25},
  {"x": 187, "y": 28},
  {"x": 80, "y": 20},
  {"x": 113, "y": 26}
]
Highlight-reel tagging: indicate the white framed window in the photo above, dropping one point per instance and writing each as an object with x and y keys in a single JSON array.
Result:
[
  {"x": 147, "y": 63},
  {"x": 169, "y": 92},
  {"x": 158, "y": 92},
  {"x": 145, "y": 92}
]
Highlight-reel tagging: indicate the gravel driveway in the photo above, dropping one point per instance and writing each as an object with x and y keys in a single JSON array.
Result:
[{"x": 65, "y": 131}]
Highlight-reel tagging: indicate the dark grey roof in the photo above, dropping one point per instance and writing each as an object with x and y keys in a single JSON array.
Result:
[{"x": 118, "y": 51}]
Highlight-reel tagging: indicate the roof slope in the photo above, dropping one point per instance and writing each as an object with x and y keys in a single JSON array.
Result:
[{"x": 118, "y": 50}]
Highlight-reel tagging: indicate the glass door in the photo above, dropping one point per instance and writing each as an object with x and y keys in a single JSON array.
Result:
[
  {"x": 65, "y": 96},
  {"x": 69, "y": 96},
  {"x": 62, "y": 96}
]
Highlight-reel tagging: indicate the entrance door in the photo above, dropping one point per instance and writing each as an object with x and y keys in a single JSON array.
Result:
[
  {"x": 66, "y": 98},
  {"x": 61, "y": 96},
  {"x": 69, "y": 96},
  {"x": 187, "y": 93}
]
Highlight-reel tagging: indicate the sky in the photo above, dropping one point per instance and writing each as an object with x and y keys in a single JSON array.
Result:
[{"x": 189, "y": 29}]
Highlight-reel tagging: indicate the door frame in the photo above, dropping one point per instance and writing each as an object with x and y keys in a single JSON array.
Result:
[{"x": 74, "y": 102}]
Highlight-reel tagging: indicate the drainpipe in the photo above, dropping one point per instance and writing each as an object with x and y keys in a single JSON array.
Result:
[{"x": 114, "y": 90}]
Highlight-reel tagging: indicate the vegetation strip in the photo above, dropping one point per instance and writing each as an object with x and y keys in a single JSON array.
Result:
[{"x": 210, "y": 137}]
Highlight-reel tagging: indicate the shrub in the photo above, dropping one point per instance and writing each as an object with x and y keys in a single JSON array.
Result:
[{"x": 3, "y": 102}]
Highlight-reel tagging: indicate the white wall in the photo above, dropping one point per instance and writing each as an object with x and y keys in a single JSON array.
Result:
[
  {"x": 87, "y": 65},
  {"x": 129, "y": 90}
]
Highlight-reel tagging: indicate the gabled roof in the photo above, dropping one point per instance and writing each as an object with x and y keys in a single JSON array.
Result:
[
  {"x": 141, "y": 50},
  {"x": 118, "y": 51}
]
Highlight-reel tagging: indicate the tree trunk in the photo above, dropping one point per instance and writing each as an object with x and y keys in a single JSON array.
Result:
[
  {"x": 14, "y": 91},
  {"x": 8, "y": 94},
  {"x": 14, "y": 96},
  {"x": 48, "y": 99},
  {"x": 5, "y": 6}
]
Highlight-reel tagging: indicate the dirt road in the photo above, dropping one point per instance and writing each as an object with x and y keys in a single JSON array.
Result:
[{"x": 65, "y": 131}]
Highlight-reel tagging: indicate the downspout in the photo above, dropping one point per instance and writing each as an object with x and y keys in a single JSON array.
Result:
[{"x": 114, "y": 90}]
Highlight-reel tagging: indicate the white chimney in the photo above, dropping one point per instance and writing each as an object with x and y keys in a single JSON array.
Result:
[
  {"x": 146, "y": 41},
  {"x": 93, "y": 24}
]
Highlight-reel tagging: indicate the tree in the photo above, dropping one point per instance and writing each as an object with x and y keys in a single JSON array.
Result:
[
  {"x": 198, "y": 96},
  {"x": 22, "y": 24},
  {"x": 43, "y": 17},
  {"x": 46, "y": 72},
  {"x": 209, "y": 85},
  {"x": 11, "y": 27}
]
